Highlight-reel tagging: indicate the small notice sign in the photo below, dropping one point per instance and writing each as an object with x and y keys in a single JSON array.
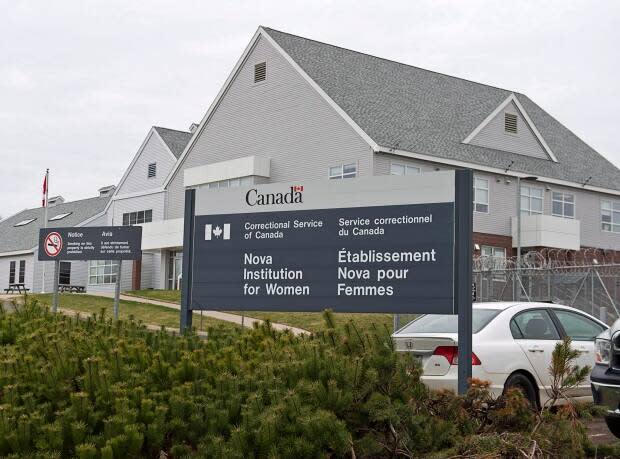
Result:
[{"x": 91, "y": 243}]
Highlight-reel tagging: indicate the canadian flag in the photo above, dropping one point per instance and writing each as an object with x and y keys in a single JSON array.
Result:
[
  {"x": 298, "y": 188},
  {"x": 44, "y": 199}
]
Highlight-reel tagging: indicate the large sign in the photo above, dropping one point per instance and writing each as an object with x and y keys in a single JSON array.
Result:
[
  {"x": 90, "y": 243},
  {"x": 378, "y": 244}
]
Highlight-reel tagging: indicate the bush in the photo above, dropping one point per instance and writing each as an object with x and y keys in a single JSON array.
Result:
[{"x": 98, "y": 389}]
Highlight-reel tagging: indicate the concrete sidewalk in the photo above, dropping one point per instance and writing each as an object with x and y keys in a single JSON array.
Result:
[{"x": 225, "y": 316}]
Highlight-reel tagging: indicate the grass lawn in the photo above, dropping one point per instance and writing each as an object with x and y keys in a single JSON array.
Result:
[
  {"x": 173, "y": 296},
  {"x": 312, "y": 321},
  {"x": 147, "y": 313}
]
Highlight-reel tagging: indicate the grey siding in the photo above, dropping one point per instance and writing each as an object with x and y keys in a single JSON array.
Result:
[
  {"x": 154, "y": 151},
  {"x": 502, "y": 195},
  {"x": 79, "y": 273},
  {"x": 588, "y": 212},
  {"x": 154, "y": 202},
  {"x": 523, "y": 143},
  {"x": 283, "y": 118},
  {"x": 5, "y": 263}
]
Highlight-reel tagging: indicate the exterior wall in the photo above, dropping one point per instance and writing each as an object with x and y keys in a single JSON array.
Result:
[
  {"x": 5, "y": 263},
  {"x": 282, "y": 118},
  {"x": 502, "y": 195},
  {"x": 493, "y": 135},
  {"x": 154, "y": 151},
  {"x": 119, "y": 206},
  {"x": 494, "y": 240},
  {"x": 502, "y": 204},
  {"x": 79, "y": 275}
]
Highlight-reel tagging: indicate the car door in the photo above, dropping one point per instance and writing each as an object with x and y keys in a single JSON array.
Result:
[
  {"x": 582, "y": 330},
  {"x": 537, "y": 335}
]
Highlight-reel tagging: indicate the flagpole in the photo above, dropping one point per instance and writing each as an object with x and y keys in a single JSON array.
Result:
[{"x": 46, "y": 186}]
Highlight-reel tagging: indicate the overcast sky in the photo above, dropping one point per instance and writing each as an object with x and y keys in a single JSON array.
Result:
[{"x": 81, "y": 82}]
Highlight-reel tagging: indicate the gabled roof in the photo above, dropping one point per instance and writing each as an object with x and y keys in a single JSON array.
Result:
[
  {"x": 175, "y": 140},
  {"x": 26, "y": 237},
  {"x": 406, "y": 108}
]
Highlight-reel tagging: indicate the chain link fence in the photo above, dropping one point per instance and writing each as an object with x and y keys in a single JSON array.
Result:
[{"x": 589, "y": 281}]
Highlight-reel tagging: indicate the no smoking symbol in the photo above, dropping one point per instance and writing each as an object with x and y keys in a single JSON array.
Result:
[{"x": 53, "y": 244}]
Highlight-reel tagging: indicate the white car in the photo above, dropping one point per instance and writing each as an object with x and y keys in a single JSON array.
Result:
[{"x": 512, "y": 346}]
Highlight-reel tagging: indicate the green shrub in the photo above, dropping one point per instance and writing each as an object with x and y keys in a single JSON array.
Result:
[{"x": 100, "y": 389}]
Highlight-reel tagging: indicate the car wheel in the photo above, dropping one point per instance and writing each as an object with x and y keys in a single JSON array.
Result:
[
  {"x": 522, "y": 382},
  {"x": 613, "y": 424}
]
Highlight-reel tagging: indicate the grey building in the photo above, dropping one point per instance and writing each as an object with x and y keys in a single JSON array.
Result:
[
  {"x": 295, "y": 109},
  {"x": 20, "y": 240}
]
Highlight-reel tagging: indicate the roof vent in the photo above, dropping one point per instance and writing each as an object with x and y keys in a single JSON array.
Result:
[
  {"x": 260, "y": 72},
  {"x": 55, "y": 200},
  {"x": 106, "y": 190},
  {"x": 510, "y": 123},
  {"x": 193, "y": 127}
]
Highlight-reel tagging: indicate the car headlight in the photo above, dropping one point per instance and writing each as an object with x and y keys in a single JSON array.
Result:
[{"x": 603, "y": 351}]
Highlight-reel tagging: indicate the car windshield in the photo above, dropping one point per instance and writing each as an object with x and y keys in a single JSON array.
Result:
[{"x": 448, "y": 323}]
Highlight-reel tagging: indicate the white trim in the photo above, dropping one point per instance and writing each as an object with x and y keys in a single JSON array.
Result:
[
  {"x": 231, "y": 77},
  {"x": 94, "y": 217},
  {"x": 512, "y": 98},
  {"x": 494, "y": 170},
  {"x": 18, "y": 252},
  {"x": 562, "y": 192}
]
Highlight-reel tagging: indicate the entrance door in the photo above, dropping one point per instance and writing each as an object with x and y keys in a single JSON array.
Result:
[{"x": 175, "y": 268}]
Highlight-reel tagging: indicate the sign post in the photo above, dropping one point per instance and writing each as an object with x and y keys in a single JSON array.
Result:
[
  {"x": 379, "y": 244},
  {"x": 90, "y": 243}
]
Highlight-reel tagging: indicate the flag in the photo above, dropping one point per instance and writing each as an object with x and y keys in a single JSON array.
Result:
[{"x": 44, "y": 199}]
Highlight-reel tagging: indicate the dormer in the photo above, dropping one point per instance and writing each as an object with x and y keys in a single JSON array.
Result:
[
  {"x": 54, "y": 201},
  {"x": 509, "y": 128},
  {"x": 106, "y": 190}
]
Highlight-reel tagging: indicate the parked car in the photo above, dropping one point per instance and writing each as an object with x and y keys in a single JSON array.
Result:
[
  {"x": 512, "y": 346},
  {"x": 605, "y": 377}
]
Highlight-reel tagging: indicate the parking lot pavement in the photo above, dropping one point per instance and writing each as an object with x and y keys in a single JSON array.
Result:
[{"x": 599, "y": 433}]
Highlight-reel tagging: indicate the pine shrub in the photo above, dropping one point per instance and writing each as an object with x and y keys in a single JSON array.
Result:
[{"x": 97, "y": 389}]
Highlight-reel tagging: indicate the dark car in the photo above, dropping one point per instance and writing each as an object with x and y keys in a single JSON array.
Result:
[{"x": 605, "y": 377}]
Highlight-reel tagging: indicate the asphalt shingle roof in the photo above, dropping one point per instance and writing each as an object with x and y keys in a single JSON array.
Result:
[
  {"x": 26, "y": 237},
  {"x": 176, "y": 140},
  {"x": 408, "y": 108}
]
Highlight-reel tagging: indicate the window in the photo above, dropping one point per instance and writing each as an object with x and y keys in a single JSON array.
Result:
[
  {"x": 60, "y": 216},
  {"x": 102, "y": 272},
  {"x": 610, "y": 216},
  {"x": 531, "y": 200},
  {"x": 22, "y": 271},
  {"x": 136, "y": 218},
  {"x": 260, "y": 72},
  {"x": 533, "y": 324},
  {"x": 441, "y": 323},
  {"x": 563, "y": 205},
  {"x": 152, "y": 170},
  {"x": 64, "y": 273},
  {"x": 481, "y": 195},
  {"x": 510, "y": 123},
  {"x": 24, "y": 222},
  {"x": 489, "y": 251},
  {"x": 578, "y": 327},
  {"x": 232, "y": 183},
  {"x": 12, "y": 272},
  {"x": 343, "y": 171},
  {"x": 403, "y": 169}
]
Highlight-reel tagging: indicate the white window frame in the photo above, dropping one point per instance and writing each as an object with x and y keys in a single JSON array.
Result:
[
  {"x": 612, "y": 206},
  {"x": 529, "y": 197},
  {"x": 563, "y": 203},
  {"x": 487, "y": 189},
  {"x": 408, "y": 169},
  {"x": 60, "y": 216},
  {"x": 102, "y": 272},
  {"x": 341, "y": 174}
]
